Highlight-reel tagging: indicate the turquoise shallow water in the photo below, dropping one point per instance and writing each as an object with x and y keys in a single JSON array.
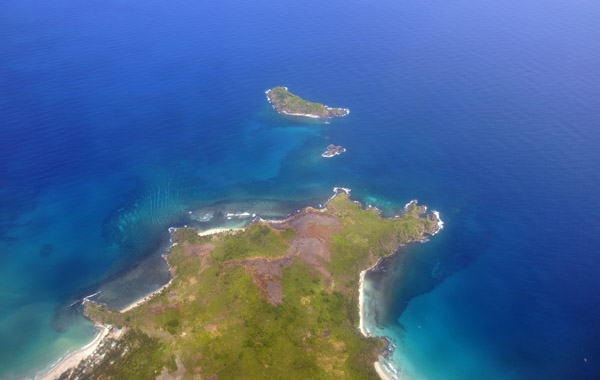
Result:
[{"x": 119, "y": 118}]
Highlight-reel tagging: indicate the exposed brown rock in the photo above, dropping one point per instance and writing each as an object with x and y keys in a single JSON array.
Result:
[
  {"x": 197, "y": 249},
  {"x": 179, "y": 374},
  {"x": 313, "y": 229},
  {"x": 311, "y": 251},
  {"x": 201, "y": 250},
  {"x": 333, "y": 150}
]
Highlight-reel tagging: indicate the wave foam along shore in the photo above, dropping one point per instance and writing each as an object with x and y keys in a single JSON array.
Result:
[
  {"x": 440, "y": 222},
  {"x": 336, "y": 190},
  {"x": 392, "y": 373},
  {"x": 406, "y": 206},
  {"x": 145, "y": 298},
  {"x": 72, "y": 360},
  {"x": 87, "y": 298},
  {"x": 381, "y": 372},
  {"x": 379, "y": 368},
  {"x": 213, "y": 231},
  {"x": 301, "y": 114},
  {"x": 361, "y": 297}
]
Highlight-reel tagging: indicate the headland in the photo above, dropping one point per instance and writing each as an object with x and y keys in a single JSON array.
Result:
[{"x": 277, "y": 298}]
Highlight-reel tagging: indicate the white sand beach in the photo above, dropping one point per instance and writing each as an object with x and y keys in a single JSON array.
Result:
[
  {"x": 73, "y": 359},
  {"x": 381, "y": 372},
  {"x": 145, "y": 298},
  {"x": 218, "y": 230}
]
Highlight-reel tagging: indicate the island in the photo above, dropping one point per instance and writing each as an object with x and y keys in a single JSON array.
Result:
[
  {"x": 333, "y": 150},
  {"x": 275, "y": 300},
  {"x": 289, "y": 104}
]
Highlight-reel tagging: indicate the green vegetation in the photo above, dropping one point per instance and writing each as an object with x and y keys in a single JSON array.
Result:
[
  {"x": 214, "y": 319},
  {"x": 257, "y": 240},
  {"x": 135, "y": 356},
  {"x": 366, "y": 231},
  {"x": 286, "y": 102},
  {"x": 288, "y": 233}
]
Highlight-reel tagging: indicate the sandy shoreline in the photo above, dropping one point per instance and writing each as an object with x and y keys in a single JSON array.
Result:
[
  {"x": 361, "y": 296},
  {"x": 379, "y": 367},
  {"x": 381, "y": 372},
  {"x": 312, "y": 116},
  {"x": 145, "y": 298},
  {"x": 148, "y": 297},
  {"x": 300, "y": 114},
  {"x": 218, "y": 230},
  {"x": 73, "y": 359}
]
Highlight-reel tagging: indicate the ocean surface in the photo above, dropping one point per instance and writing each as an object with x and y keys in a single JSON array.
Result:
[{"x": 119, "y": 119}]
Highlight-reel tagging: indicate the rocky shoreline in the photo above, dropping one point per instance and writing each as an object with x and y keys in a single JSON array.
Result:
[
  {"x": 333, "y": 150},
  {"x": 84, "y": 360},
  {"x": 385, "y": 370},
  {"x": 289, "y": 104}
]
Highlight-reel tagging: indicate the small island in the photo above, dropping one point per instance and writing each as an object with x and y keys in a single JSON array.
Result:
[
  {"x": 333, "y": 150},
  {"x": 289, "y": 104},
  {"x": 277, "y": 299}
]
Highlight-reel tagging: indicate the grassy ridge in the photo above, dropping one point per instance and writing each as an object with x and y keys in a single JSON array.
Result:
[
  {"x": 257, "y": 240},
  {"x": 214, "y": 320}
]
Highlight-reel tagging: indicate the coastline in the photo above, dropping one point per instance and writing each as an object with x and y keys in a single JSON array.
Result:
[
  {"x": 213, "y": 231},
  {"x": 73, "y": 359},
  {"x": 149, "y": 296},
  {"x": 324, "y": 155},
  {"x": 313, "y": 116},
  {"x": 379, "y": 367},
  {"x": 146, "y": 298},
  {"x": 361, "y": 296},
  {"x": 310, "y": 115},
  {"x": 381, "y": 372},
  {"x": 299, "y": 114}
]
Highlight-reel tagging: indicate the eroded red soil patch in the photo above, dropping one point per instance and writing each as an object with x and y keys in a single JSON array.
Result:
[
  {"x": 201, "y": 250},
  {"x": 313, "y": 230}
]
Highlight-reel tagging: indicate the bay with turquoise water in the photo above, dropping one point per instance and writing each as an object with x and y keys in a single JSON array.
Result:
[{"x": 119, "y": 119}]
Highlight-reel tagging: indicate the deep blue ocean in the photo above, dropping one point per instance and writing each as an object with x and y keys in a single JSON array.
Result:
[{"x": 119, "y": 119}]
